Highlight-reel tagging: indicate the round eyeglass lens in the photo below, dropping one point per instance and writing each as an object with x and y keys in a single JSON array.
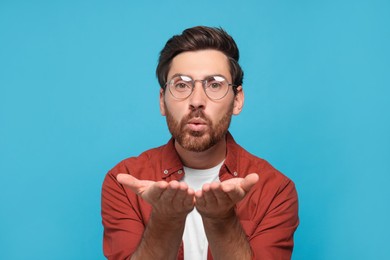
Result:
[
  {"x": 180, "y": 86},
  {"x": 216, "y": 87}
]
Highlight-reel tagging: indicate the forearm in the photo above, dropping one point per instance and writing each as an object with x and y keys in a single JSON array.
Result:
[
  {"x": 161, "y": 239},
  {"x": 227, "y": 239}
]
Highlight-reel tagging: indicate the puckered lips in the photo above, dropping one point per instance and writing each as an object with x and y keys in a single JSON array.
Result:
[{"x": 197, "y": 124}]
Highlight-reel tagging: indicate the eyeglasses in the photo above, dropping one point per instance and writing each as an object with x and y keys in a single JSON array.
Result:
[{"x": 181, "y": 86}]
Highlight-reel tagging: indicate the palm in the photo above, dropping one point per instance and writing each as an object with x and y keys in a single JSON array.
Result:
[
  {"x": 167, "y": 199},
  {"x": 217, "y": 200}
]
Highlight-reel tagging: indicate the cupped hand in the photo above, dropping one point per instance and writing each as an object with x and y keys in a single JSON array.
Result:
[
  {"x": 168, "y": 199},
  {"x": 216, "y": 200}
]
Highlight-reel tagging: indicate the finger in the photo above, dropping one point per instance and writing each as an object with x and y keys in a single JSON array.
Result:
[
  {"x": 174, "y": 185},
  {"x": 170, "y": 193},
  {"x": 228, "y": 187},
  {"x": 184, "y": 196},
  {"x": 200, "y": 195},
  {"x": 127, "y": 180},
  {"x": 237, "y": 191},
  {"x": 206, "y": 187},
  {"x": 222, "y": 195},
  {"x": 200, "y": 202},
  {"x": 249, "y": 181},
  {"x": 233, "y": 191},
  {"x": 189, "y": 200},
  {"x": 182, "y": 192},
  {"x": 154, "y": 191},
  {"x": 137, "y": 186},
  {"x": 208, "y": 193}
]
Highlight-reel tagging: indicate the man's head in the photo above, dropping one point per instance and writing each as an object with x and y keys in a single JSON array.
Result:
[
  {"x": 204, "y": 82},
  {"x": 200, "y": 38}
]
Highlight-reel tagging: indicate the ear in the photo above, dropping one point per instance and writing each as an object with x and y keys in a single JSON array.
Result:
[
  {"x": 238, "y": 101},
  {"x": 162, "y": 101}
]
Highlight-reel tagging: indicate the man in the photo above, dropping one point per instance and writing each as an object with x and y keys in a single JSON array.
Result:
[{"x": 200, "y": 196}]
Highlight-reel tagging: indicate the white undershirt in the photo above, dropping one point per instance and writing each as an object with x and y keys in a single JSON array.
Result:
[{"x": 194, "y": 237}]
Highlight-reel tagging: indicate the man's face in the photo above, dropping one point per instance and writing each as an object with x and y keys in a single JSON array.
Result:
[{"x": 197, "y": 122}]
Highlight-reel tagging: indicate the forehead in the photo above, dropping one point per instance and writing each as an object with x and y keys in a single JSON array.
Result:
[{"x": 200, "y": 64}]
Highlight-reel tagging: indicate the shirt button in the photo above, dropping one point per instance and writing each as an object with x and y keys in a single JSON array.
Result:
[
  {"x": 179, "y": 171},
  {"x": 165, "y": 171},
  {"x": 235, "y": 174}
]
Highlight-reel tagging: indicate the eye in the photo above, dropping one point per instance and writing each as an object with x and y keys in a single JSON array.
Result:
[
  {"x": 215, "y": 85},
  {"x": 182, "y": 86}
]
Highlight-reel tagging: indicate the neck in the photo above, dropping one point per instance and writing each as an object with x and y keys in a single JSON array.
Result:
[{"x": 203, "y": 160}]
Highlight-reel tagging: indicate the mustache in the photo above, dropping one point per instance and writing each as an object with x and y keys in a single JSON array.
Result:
[{"x": 198, "y": 113}]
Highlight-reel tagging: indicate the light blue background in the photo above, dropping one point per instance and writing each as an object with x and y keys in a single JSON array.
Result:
[{"x": 78, "y": 94}]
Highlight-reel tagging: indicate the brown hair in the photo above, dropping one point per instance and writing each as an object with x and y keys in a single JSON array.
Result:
[{"x": 200, "y": 38}]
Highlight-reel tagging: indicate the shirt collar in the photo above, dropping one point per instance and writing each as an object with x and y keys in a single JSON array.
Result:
[
  {"x": 232, "y": 155},
  {"x": 171, "y": 162}
]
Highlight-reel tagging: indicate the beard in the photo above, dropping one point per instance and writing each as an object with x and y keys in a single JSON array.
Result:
[{"x": 198, "y": 141}]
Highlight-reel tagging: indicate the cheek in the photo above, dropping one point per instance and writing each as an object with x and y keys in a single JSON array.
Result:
[
  {"x": 218, "y": 112},
  {"x": 176, "y": 111}
]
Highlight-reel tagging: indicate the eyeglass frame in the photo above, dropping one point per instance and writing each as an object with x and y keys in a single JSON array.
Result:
[{"x": 203, "y": 81}]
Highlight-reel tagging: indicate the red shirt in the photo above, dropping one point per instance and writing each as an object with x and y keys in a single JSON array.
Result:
[{"x": 268, "y": 213}]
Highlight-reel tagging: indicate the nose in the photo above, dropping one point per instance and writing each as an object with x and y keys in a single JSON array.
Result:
[{"x": 198, "y": 98}]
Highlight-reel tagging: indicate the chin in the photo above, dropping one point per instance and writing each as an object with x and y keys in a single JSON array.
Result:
[{"x": 196, "y": 142}]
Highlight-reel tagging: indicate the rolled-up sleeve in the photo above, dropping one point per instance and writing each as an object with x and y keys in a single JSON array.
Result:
[
  {"x": 272, "y": 234},
  {"x": 123, "y": 225}
]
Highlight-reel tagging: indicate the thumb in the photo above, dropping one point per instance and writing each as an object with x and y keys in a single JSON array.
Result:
[
  {"x": 127, "y": 180},
  {"x": 250, "y": 180}
]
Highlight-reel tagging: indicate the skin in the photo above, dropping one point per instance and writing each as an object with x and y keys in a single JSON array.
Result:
[{"x": 172, "y": 201}]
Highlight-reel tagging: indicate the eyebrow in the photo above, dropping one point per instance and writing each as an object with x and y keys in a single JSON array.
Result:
[{"x": 206, "y": 77}]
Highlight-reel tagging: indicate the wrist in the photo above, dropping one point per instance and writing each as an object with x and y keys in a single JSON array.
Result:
[
  {"x": 167, "y": 221},
  {"x": 221, "y": 222}
]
